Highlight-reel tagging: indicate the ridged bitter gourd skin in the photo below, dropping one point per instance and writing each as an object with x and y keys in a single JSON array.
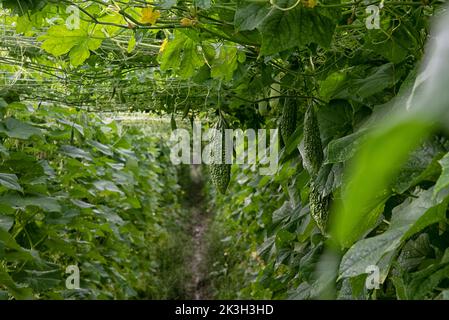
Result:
[
  {"x": 313, "y": 159},
  {"x": 288, "y": 120},
  {"x": 313, "y": 150},
  {"x": 220, "y": 171},
  {"x": 319, "y": 208}
]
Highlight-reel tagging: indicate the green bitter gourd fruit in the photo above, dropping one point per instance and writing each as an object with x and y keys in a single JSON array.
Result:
[
  {"x": 313, "y": 150},
  {"x": 313, "y": 159},
  {"x": 220, "y": 171},
  {"x": 319, "y": 207},
  {"x": 288, "y": 120}
]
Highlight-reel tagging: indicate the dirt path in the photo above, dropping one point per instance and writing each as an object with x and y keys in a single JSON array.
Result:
[{"x": 198, "y": 289}]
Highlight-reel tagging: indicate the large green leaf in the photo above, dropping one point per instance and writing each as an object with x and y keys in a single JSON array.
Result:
[
  {"x": 334, "y": 120},
  {"x": 6, "y": 222},
  {"x": 108, "y": 186},
  {"x": 414, "y": 252},
  {"x": 389, "y": 146},
  {"x": 377, "y": 80},
  {"x": 286, "y": 29},
  {"x": 75, "y": 152},
  {"x": 227, "y": 61},
  {"x": 422, "y": 164},
  {"x": 77, "y": 42},
  {"x": 282, "y": 30},
  {"x": 14, "y": 128},
  {"x": 45, "y": 203},
  {"x": 443, "y": 180},
  {"x": 392, "y": 41},
  {"x": 360, "y": 82},
  {"x": 375, "y": 165},
  {"x": 40, "y": 280},
  {"x": 250, "y": 16},
  {"x": 333, "y": 84},
  {"x": 343, "y": 149},
  {"x": 182, "y": 55},
  {"x": 18, "y": 291},
  {"x": 407, "y": 219},
  {"x": 23, "y": 6},
  {"x": 10, "y": 181},
  {"x": 425, "y": 281},
  {"x": 7, "y": 240}
]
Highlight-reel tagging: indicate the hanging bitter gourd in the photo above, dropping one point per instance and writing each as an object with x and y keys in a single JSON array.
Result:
[
  {"x": 220, "y": 171},
  {"x": 313, "y": 159},
  {"x": 319, "y": 207},
  {"x": 288, "y": 119},
  {"x": 313, "y": 150}
]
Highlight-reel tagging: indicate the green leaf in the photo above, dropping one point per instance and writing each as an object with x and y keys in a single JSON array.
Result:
[
  {"x": 45, "y": 203},
  {"x": 379, "y": 78},
  {"x": 72, "y": 125},
  {"x": 59, "y": 40},
  {"x": 343, "y": 149},
  {"x": 425, "y": 281},
  {"x": 393, "y": 42},
  {"x": 182, "y": 55},
  {"x": 250, "y": 16},
  {"x": 332, "y": 84},
  {"x": 375, "y": 165},
  {"x": 203, "y": 4},
  {"x": 18, "y": 291},
  {"x": 105, "y": 185},
  {"x": 421, "y": 164},
  {"x": 8, "y": 241},
  {"x": 6, "y": 222},
  {"x": 298, "y": 27},
  {"x": 131, "y": 44},
  {"x": 4, "y": 151},
  {"x": 328, "y": 179},
  {"x": 284, "y": 211},
  {"x": 104, "y": 149},
  {"x": 283, "y": 238},
  {"x": 399, "y": 285},
  {"x": 75, "y": 152},
  {"x": 414, "y": 252},
  {"x": 3, "y": 103},
  {"x": 10, "y": 181},
  {"x": 334, "y": 120},
  {"x": 444, "y": 295},
  {"x": 14, "y": 128},
  {"x": 40, "y": 280},
  {"x": 226, "y": 63},
  {"x": 443, "y": 180},
  {"x": 407, "y": 219},
  {"x": 81, "y": 204},
  {"x": 23, "y": 6},
  {"x": 359, "y": 82},
  {"x": 303, "y": 292}
]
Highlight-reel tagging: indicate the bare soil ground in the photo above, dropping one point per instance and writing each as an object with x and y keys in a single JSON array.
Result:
[{"x": 200, "y": 220}]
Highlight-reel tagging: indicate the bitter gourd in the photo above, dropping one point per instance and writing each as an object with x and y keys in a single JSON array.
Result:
[
  {"x": 288, "y": 120},
  {"x": 220, "y": 171},
  {"x": 313, "y": 150},
  {"x": 319, "y": 207},
  {"x": 312, "y": 160}
]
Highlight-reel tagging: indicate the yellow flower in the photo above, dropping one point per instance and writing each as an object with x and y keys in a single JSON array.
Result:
[
  {"x": 186, "y": 22},
  {"x": 309, "y": 3},
  {"x": 150, "y": 16},
  {"x": 163, "y": 45}
]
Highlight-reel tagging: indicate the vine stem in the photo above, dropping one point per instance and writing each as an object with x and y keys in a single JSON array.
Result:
[
  {"x": 273, "y": 3},
  {"x": 391, "y": 3}
]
